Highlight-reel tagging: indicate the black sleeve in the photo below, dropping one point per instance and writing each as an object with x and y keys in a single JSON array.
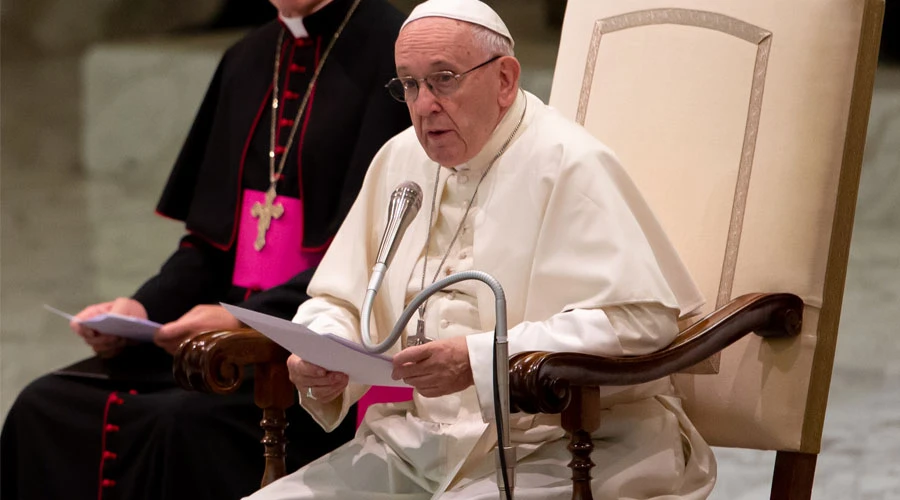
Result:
[
  {"x": 197, "y": 273},
  {"x": 282, "y": 300}
]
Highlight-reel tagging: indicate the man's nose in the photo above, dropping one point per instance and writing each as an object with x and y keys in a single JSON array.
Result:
[{"x": 426, "y": 102}]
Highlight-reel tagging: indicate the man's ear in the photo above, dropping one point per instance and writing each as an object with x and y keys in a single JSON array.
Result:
[{"x": 509, "y": 80}]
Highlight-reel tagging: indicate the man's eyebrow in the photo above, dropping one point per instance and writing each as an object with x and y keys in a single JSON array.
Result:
[{"x": 438, "y": 65}]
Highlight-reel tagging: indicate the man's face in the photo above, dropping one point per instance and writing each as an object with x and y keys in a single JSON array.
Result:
[
  {"x": 453, "y": 128},
  {"x": 295, "y": 8}
]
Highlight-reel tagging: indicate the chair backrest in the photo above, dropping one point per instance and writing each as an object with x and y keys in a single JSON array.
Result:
[{"x": 743, "y": 123}]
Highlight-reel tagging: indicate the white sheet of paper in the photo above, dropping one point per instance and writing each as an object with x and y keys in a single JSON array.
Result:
[
  {"x": 116, "y": 324},
  {"x": 324, "y": 349}
]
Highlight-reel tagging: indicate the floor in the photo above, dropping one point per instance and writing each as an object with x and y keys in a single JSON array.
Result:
[{"x": 74, "y": 235}]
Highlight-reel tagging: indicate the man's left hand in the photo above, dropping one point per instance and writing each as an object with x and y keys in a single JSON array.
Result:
[
  {"x": 198, "y": 320},
  {"x": 435, "y": 369}
]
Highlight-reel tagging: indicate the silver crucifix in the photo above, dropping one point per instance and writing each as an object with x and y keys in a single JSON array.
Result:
[{"x": 419, "y": 338}]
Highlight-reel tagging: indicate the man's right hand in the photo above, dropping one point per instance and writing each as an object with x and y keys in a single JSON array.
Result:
[
  {"x": 102, "y": 344},
  {"x": 324, "y": 385}
]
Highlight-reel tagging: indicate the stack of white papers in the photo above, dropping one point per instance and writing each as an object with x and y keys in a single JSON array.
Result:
[
  {"x": 326, "y": 350},
  {"x": 116, "y": 324}
]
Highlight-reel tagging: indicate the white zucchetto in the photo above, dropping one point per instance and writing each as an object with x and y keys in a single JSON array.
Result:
[{"x": 470, "y": 11}]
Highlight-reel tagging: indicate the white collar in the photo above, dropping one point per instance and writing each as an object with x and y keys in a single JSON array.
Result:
[
  {"x": 295, "y": 25},
  {"x": 503, "y": 135}
]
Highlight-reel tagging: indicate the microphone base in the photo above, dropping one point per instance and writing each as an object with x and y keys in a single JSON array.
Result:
[{"x": 509, "y": 453}]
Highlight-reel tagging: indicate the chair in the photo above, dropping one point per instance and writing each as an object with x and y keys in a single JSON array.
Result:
[
  {"x": 214, "y": 362},
  {"x": 743, "y": 123}
]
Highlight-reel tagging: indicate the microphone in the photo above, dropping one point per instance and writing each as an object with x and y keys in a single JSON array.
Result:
[
  {"x": 405, "y": 202},
  {"x": 404, "y": 205}
]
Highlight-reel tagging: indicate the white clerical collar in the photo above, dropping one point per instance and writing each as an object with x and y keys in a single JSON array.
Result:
[
  {"x": 295, "y": 25},
  {"x": 502, "y": 133}
]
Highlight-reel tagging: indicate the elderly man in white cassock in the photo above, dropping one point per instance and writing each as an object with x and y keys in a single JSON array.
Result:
[{"x": 513, "y": 189}]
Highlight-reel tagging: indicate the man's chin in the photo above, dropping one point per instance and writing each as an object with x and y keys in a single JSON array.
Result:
[
  {"x": 446, "y": 161},
  {"x": 442, "y": 156}
]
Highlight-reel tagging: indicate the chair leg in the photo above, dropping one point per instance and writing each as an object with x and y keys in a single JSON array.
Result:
[
  {"x": 274, "y": 393},
  {"x": 581, "y": 445},
  {"x": 273, "y": 423},
  {"x": 580, "y": 419},
  {"x": 794, "y": 474}
]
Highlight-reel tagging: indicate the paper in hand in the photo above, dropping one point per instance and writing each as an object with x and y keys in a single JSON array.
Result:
[
  {"x": 324, "y": 349},
  {"x": 116, "y": 324}
]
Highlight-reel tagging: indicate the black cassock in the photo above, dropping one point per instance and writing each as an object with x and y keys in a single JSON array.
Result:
[{"x": 121, "y": 428}]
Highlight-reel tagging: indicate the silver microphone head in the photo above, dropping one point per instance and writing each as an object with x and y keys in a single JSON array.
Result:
[
  {"x": 405, "y": 203},
  {"x": 408, "y": 192}
]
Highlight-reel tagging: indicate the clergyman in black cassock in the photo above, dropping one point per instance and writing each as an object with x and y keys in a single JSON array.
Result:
[{"x": 119, "y": 427}]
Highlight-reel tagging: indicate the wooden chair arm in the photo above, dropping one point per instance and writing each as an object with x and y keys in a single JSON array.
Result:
[
  {"x": 214, "y": 362},
  {"x": 540, "y": 382}
]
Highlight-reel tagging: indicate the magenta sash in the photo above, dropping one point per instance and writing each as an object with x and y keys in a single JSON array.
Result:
[
  {"x": 380, "y": 394},
  {"x": 282, "y": 257}
]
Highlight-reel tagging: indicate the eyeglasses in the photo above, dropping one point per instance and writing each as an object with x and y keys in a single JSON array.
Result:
[{"x": 441, "y": 83}]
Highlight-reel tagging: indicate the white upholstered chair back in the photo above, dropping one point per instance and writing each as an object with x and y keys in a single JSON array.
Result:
[{"x": 743, "y": 124}]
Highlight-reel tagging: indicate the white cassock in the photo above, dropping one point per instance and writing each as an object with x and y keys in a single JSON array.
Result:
[{"x": 585, "y": 267}]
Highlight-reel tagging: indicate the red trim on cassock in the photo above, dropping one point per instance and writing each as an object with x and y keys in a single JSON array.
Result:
[
  {"x": 240, "y": 192},
  {"x": 320, "y": 248},
  {"x": 306, "y": 114},
  {"x": 285, "y": 26},
  {"x": 164, "y": 216},
  {"x": 104, "y": 453},
  {"x": 297, "y": 41},
  {"x": 287, "y": 81}
]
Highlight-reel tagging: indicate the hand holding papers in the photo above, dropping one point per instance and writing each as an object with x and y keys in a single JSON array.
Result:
[
  {"x": 116, "y": 324},
  {"x": 326, "y": 350}
]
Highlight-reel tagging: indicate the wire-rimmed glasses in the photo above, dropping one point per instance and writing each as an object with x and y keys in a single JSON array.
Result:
[{"x": 440, "y": 83}]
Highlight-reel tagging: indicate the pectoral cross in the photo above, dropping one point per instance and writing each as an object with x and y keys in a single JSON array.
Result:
[
  {"x": 265, "y": 213},
  {"x": 419, "y": 338}
]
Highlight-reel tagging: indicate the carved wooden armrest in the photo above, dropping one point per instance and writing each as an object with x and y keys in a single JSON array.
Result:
[
  {"x": 214, "y": 362},
  {"x": 540, "y": 382},
  {"x": 567, "y": 383}
]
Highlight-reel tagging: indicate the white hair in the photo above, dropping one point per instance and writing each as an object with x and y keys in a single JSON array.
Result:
[{"x": 493, "y": 43}]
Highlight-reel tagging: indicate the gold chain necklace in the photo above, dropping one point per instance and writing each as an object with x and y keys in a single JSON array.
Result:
[
  {"x": 270, "y": 210},
  {"x": 419, "y": 337}
]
